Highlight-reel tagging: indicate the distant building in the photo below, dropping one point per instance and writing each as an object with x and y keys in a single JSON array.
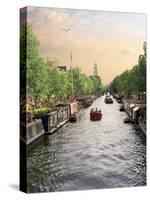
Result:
[
  {"x": 62, "y": 68},
  {"x": 95, "y": 70}
]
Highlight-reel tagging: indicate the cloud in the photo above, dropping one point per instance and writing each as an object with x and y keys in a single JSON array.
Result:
[
  {"x": 125, "y": 52},
  {"x": 113, "y": 40}
]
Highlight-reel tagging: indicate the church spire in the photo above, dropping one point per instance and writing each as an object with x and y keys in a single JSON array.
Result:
[{"x": 95, "y": 69}]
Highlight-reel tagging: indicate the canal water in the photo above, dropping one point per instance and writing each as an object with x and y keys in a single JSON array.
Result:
[{"x": 89, "y": 155}]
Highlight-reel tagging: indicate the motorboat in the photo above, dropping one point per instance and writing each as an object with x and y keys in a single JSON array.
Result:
[
  {"x": 95, "y": 115},
  {"x": 119, "y": 99},
  {"x": 108, "y": 99},
  {"x": 127, "y": 120},
  {"x": 121, "y": 108}
]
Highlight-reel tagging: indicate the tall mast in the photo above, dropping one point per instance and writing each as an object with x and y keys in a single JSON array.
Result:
[
  {"x": 68, "y": 30},
  {"x": 71, "y": 73}
]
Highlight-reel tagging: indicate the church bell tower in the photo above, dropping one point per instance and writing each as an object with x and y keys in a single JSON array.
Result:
[{"x": 95, "y": 70}]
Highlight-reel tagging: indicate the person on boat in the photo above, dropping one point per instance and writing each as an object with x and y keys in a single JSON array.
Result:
[{"x": 92, "y": 110}]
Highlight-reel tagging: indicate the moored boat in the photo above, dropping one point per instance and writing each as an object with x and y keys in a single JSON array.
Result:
[
  {"x": 108, "y": 99},
  {"x": 73, "y": 118},
  {"x": 142, "y": 125},
  {"x": 127, "y": 120},
  {"x": 121, "y": 108}
]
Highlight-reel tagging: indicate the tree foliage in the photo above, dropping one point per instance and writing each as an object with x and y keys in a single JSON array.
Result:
[
  {"x": 132, "y": 81},
  {"x": 40, "y": 79}
]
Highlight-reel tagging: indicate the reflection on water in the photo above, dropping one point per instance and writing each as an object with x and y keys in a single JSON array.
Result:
[{"x": 89, "y": 155}]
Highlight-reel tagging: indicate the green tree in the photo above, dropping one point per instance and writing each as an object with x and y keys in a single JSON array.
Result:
[
  {"x": 78, "y": 81},
  {"x": 142, "y": 69},
  {"x": 96, "y": 84},
  {"x": 132, "y": 81},
  {"x": 58, "y": 83},
  {"x": 40, "y": 79},
  {"x": 33, "y": 68}
]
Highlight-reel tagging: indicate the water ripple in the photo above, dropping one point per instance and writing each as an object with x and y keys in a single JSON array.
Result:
[{"x": 89, "y": 155}]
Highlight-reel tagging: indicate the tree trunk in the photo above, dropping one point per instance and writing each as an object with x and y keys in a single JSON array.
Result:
[{"x": 36, "y": 101}]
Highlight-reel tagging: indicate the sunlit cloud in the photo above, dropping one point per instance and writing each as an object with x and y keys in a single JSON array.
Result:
[{"x": 114, "y": 40}]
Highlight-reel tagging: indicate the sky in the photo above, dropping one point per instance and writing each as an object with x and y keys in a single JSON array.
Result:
[{"x": 114, "y": 40}]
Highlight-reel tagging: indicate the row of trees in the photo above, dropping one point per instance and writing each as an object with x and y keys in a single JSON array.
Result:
[
  {"x": 132, "y": 81},
  {"x": 40, "y": 79}
]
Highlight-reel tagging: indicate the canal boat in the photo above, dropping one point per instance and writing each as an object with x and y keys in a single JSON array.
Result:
[
  {"x": 73, "y": 118},
  {"x": 108, "y": 99},
  {"x": 85, "y": 101},
  {"x": 119, "y": 100},
  {"x": 31, "y": 131},
  {"x": 95, "y": 115},
  {"x": 121, "y": 108},
  {"x": 142, "y": 125},
  {"x": 127, "y": 120},
  {"x": 74, "y": 108}
]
